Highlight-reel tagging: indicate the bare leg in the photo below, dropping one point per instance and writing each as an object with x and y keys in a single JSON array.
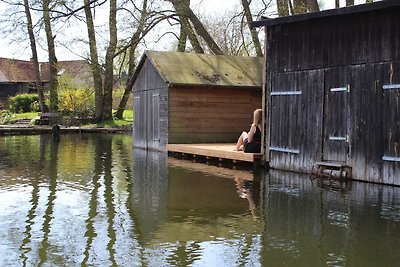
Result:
[{"x": 240, "y": 141}]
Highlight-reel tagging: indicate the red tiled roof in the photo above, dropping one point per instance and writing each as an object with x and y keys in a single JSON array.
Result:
[{"x": 13, "y": 70}]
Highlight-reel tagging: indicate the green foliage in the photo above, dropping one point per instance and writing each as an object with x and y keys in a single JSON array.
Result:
[
  {"x": 6, "y": 116},
  {"x": 74, "y": 100},
  {"x": 24, "y": 103}
]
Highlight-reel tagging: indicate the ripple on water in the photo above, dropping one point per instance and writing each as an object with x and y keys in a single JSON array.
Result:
[
  {"x": 390, "y": 212},
  {"x": 338, "y": 218}
]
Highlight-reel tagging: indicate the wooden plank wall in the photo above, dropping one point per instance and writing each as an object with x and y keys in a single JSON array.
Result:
[
  {"x": 150, "y": 94},
  {"x": 210, "y": 115},
  {"x": 317, "y": 55},
  {"x": 335, "y": 41},
  {"x": 296, "y": 119}
]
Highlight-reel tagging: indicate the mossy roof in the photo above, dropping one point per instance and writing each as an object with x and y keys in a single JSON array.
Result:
[{"x": 177, "y": 68}]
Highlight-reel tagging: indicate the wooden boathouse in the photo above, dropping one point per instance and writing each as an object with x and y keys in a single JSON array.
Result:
[
  {"x": 332, "y": 90},
  {"x": 186, "y": 98}
]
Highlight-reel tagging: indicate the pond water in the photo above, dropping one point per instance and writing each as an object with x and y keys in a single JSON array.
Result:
[{"x": 91, "y": 200}]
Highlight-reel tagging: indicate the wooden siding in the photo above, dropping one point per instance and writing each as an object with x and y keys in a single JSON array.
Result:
[
  {"x": 210, "y": 115},
  {"x": 346, "y": 70},
  {"x": 150, "y": 97},
  {"x": 335, "y": 41},
  {"x": 296, "y": 107}
]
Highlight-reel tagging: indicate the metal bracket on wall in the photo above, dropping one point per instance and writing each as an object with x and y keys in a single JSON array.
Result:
[
  {"x": 387, "y": 158},
  {"x": 341, "y": 89},
  {"x": 391, "y": 86},
  {"x": 339, "y": 138},
  {"x": 286, "y": 150}
]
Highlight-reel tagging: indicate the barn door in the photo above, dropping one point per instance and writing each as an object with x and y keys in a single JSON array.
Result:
[{"x": 336, "y": 115}]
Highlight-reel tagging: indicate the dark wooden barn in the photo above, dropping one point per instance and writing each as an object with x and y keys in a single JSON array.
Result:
[
  {"x": 193, "y": 98},
  {"x": 332, "y": 90}
]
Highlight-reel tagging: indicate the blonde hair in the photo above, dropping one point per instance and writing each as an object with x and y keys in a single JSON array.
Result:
[{"x": 257, "y": 117}]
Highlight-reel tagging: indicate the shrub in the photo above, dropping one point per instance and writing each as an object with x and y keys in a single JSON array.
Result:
[
  {"x": 77, "y": 102},
  {"x": 24, "y": 103},
  {"x": 5, "y": 116}
]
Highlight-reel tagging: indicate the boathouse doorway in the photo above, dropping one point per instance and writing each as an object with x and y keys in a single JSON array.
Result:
[{"x": 336, "y": 113}]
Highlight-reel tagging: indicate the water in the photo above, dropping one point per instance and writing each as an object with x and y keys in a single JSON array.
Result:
[{"x": 89, "y": 200}]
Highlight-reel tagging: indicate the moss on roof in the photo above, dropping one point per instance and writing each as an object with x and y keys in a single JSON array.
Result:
[{"x": 202, "y": 69}]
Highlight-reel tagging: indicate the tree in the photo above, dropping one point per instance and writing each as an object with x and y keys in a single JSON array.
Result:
[
  {"x": 35, "y": 59},
  {"x": 187, "y": 30},
  {"x": 183, "y": 9},
  {"x": 313, "y": 5},
  {"x": 134, "y": 42},
  {"x": 52, "y": 57},
  {"x": 283, "y": 7},
  {"x": 146, "y": 21},
  {"x": 349, "y": 2},
  {"x": 109, "y": 63},
  {"x": 94, "y": 62},
  {"x": 299, "y": 7},
  {"x": 253, "y": 31}
]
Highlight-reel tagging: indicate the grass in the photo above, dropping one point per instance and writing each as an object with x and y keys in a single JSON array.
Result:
[
  {"x": 127, "y": 119},
  {"x": 7, "y": 117}
]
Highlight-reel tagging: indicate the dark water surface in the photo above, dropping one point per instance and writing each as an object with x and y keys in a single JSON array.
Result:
[{"x": 90, "y": 200}]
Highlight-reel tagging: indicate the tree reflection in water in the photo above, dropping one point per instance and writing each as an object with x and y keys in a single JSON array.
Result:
[{"x": 92, "y": 200}]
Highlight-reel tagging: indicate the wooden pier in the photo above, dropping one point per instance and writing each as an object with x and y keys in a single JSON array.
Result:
[{"x": 215, "y": 151}]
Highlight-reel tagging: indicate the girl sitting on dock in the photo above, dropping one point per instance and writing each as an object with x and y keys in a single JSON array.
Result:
[{"x": 251, "y": 142}]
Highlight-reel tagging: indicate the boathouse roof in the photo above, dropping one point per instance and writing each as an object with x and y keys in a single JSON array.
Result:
[
  {"x": 385, "y": 4},
  {"x": 180, "y": 69}
]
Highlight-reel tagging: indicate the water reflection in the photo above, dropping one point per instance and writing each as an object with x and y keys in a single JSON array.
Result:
[
  {"x": 310, "y": 225},
  {"x": 90, "y": 200},
  {"x": 190, "y": 216}
]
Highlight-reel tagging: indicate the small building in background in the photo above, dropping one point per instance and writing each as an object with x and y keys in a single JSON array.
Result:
[
  {"x": 332, "y": 90},
  {"x": 193, "y": 98},
  {"x": 18, "y": 76}
]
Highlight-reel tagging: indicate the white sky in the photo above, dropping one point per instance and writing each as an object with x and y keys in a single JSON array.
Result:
[{"x": 207, "y": 7}]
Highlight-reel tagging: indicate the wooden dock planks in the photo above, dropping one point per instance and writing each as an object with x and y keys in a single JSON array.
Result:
[{"x": 218, "y": 151}]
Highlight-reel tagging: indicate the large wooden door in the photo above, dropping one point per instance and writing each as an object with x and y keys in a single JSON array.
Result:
[{"x": 336, "y": 115}]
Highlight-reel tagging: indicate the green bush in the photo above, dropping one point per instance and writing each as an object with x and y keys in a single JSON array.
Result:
[
  {"x": 75, "y": 100},
  {"x": 6, "y": 116},
  {"x": 24, "y": 103}
]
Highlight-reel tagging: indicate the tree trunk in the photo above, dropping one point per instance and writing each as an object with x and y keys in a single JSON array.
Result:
[
  {"x": 95, "y": 66},
  {"x": 300, "y": 6},
  {"x": 132, "y": 61},
  {"x": 38, "y": 83},
  {"x": 349, "y": 2},
  {"x": 52, "y": 59},
  {"x": 313, "y": 5},
  {"x": 337, "y": 3},
  {"x": 187, "y": 28},
  {"x": 283, "y": 8},
  {"x": 109, "y": 64},
  {"x": 184, "y": 10},
  {"x": 253, "y": 31},
  {"x": 182, "y": 40}
]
